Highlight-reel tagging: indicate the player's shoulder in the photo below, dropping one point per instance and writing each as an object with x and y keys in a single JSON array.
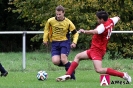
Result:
[
  {"x": 67, "y": 19},
  {"x": 51, "y": 19},
  {"x": 115, "y": 19}
]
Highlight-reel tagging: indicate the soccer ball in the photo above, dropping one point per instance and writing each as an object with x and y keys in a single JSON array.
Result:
[{"x": 42, "y": 75}]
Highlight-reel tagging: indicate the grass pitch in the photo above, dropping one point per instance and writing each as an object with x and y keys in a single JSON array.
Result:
[{"x": 86, "y": 77}]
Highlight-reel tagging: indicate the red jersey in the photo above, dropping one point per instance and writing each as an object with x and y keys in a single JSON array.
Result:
[{"x": 101, "y": 40}]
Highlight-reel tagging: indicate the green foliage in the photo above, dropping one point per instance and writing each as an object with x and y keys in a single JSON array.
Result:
[{"x": 82, "y": 14}]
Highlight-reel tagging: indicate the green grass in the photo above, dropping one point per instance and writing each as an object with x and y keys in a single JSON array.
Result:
[{"x": 35, "y": 61}]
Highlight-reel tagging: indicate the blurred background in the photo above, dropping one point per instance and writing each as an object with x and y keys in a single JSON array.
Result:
[{"x": 31, "y": 15}]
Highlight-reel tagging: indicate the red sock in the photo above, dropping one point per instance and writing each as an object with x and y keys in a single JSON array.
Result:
[
  {"x": 114, "y": 72},
  {"x": 72, "y": 68}
]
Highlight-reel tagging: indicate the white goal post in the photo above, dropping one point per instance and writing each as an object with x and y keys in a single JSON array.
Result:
[{"x": 36, "y": 32}]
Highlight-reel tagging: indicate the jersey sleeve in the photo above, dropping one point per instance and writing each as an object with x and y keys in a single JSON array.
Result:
[
  {"x": 75, "y": 38},
  {"x": 100, "y": 28},
  {"x": 46, "y": 31},
  {"x": 115, "y": 19},
  {"x": 75, "y": 35},
  {"x": 72, "y": 26}
]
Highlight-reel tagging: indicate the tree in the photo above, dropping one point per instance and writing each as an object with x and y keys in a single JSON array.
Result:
[{"x": 82, "y": 13}]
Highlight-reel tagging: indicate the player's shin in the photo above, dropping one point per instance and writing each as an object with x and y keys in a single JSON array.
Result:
[
  {"x": 72, "y": 68},
  {"x": 113, "y": 72},
  {"x": 67, "y": 66}
]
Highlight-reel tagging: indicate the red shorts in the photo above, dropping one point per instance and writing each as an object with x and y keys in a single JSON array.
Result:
[{"x": 95, "y": 53}]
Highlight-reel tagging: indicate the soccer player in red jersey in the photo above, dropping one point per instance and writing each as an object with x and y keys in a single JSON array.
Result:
[{"x": 101, "y": 35}]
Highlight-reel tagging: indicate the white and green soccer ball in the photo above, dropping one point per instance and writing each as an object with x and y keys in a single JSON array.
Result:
[{"x": 42, "y": 75}]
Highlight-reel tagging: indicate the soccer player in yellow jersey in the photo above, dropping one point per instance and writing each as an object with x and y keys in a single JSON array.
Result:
[{"x": 58, "y": 30}]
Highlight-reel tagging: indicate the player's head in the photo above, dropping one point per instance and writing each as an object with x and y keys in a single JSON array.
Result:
[
  {"x": 60, "y": 11},
  {"x": 102, "y": 16}
]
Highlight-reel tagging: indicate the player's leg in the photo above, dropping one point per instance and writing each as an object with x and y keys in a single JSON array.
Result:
[
  {"x": 97, "y": 56},
  {"x": 65, "y": 49},
  {"x": 99, "y": 69},
  {"x": 80, "y": 56},
  {"x": 3, "y": 71},
  {"x": 55, "y": 53},
  {"x": 67, "y": 65},
  {"x": 56, "y": 60}
]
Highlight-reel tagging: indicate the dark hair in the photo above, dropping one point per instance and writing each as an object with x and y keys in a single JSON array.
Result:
[
  {"x": 60, "y": 8},
  {"x": 102, "y": 15}
]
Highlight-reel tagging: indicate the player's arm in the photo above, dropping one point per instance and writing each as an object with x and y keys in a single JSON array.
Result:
[
  {"x": 46, "y": 32},
  {"x": 91, "y": 31},
  {"x": 98, "y": 30},
  {"x": 75, "y": 36},
  {"x": 115, "y": 19},
  {"x": 73, "y": 30}
]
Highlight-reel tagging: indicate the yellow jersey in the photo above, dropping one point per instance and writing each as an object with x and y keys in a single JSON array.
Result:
[{"x": 59, "y": 30}]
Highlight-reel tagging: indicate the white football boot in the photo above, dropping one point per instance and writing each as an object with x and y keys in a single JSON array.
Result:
[
  {"x": 63, "y": 78},
  {"x": 127, "y": 77}
]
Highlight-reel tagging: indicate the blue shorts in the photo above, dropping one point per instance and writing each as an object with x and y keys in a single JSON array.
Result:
[{"x": 60, "y": 47}]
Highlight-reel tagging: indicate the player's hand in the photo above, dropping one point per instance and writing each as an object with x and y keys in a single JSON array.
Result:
[
  {"x": 81, "y": 31},
  {"x": 73, "y": 45},
  {"x": 45, "y": 43}
]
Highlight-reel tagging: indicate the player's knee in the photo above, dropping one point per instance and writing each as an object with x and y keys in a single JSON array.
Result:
[
  {"x": 78, "y": 56},
  {"x": 98, "y": 70},
  {"x": 63, "y": 56},
  {"x": 55, "y": 62}
]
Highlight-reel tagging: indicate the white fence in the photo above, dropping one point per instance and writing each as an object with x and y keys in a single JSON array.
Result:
[{"x": 36, "y": 32}]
